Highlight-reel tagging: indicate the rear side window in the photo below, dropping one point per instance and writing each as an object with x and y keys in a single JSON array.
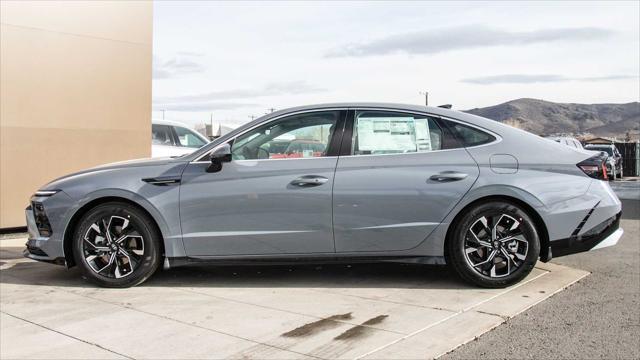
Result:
[
  {"x": 161, "y": 135},
  {"x": 384, "y": 132},
  {"x": 470, "y": 136}
]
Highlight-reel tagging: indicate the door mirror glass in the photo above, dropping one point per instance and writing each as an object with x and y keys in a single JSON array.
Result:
[{"x": 218, "y": 156}]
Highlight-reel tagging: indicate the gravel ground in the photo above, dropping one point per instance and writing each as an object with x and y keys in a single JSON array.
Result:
[{"x": 597, "y": 318}]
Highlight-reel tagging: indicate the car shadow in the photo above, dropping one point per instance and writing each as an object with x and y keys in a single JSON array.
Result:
[{"x": 359, "y": 275}]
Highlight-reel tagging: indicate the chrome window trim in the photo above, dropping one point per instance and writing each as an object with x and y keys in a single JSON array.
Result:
[
  {"x": 254, "y": 160},
  {"x": 199, "y": 160},
  {"x": 497, "y": 137}
]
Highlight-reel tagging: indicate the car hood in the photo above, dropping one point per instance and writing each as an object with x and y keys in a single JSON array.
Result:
[{"x": 53, "y": 185}]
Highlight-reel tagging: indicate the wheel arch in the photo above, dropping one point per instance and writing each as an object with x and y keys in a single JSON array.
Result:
[
  {"x": 77, "y": 215},
  {"x": 541, "y": 226}
]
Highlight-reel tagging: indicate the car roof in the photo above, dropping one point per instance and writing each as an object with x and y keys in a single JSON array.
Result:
[
  {"x": 169, "y": 122},
  {"x": 479, "y": 121}
]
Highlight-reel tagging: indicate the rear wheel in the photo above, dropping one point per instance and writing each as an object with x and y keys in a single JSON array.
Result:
[
  {"x": 117, "y": 245},
  {"x": 494, "y": 245}
]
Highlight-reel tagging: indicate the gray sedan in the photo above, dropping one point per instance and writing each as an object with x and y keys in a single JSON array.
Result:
[{"x": 336, "y": 182}]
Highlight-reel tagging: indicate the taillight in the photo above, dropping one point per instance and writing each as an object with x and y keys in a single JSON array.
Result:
[{"x": 594, "y": 167}]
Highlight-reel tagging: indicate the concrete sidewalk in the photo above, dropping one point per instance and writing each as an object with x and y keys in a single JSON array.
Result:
[{"x": 341, "y": 311}]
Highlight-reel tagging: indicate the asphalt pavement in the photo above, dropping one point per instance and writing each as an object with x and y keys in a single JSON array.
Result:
[{"x": 596, "y": 318}]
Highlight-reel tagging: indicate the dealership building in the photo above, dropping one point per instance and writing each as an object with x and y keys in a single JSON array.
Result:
[{"x": 75, "y": 92}]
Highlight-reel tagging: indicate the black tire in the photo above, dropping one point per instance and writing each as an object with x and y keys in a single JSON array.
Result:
[
  {"x": 471, "y": 230},
  {"x": 132, "y": 250}
]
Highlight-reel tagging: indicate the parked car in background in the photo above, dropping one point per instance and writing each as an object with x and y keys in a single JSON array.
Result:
[
  {"x": 614, "y": 161},
  {"x": 357, "y": 182},
  {"x": 595, "y": 166},
  {"x": 569, "y": 141},
  {"x": 170, "y": 138}
]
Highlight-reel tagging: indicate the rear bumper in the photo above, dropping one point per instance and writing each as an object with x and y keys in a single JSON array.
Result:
[{"x": 603, "y": 235}]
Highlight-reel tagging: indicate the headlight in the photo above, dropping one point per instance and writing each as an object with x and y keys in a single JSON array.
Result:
[{"x": 45, "y": 193}]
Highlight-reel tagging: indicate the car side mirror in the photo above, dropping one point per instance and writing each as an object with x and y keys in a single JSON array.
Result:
[{"x": 219, "y": 155}]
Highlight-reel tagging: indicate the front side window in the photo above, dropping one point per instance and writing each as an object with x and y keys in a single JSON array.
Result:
[
  {"x": 188, "y": 138},
  {"x": 161, "y": 135},
  {"x": 383, "y": 132},
  {"x": 299, "y": 136}
]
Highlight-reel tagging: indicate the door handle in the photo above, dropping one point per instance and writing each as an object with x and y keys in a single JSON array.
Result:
[
  {"x": 447, "y": 176},
  {"x": 309, "y": 180}
]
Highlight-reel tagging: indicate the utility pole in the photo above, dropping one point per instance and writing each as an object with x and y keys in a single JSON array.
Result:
[
  {"x": 271, "y": 110},
  {"x": 162, "y": 114},
  {"x": 211, "y": 122},
  {"x": 426, "y": 97},
  {"x": 252, "y": 117}
]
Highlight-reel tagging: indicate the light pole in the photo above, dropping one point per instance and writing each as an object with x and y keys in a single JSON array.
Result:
[
  {"x": 163, "y": 114},
  {"x": 426, "y": 97}
]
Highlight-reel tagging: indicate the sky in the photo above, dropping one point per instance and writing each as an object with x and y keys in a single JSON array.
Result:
[{"x": 238, "y": 60}]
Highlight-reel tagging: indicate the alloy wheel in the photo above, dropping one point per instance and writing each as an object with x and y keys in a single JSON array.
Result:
[
  {"x": 113, "y": 247},
  {"x": 496, "y": 246}
]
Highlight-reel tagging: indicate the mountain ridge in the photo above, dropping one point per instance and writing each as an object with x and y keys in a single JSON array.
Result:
[{"x": 546, "y": 118}]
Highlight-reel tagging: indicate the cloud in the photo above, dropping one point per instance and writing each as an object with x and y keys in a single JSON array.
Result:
[
  {"x": 203, "y": 106},
  {"x": 175, "y": 66},
  {"x": 540, "y": 78},
  {"x": 191, "y": 53},
  {"x": 464, "y": 37},
  {"x": 212, "y": 100},
  {"x": 283, "y": 88}
]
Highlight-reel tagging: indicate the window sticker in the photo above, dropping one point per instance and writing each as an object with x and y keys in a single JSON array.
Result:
[
  {"x": 393, "y": 135},
  {"x": 423, "y": 136}
]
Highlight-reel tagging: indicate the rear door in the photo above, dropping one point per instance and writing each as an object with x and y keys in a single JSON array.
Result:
[{"x": 400, "y": 175}]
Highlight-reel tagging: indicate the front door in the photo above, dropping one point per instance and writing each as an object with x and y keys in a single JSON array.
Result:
[
  {"x": 403, "y": 174},
  {"x": 274, "y": 197}
]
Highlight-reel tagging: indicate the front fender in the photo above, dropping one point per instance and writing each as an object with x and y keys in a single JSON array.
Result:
[{"x": 163, "y": 210}]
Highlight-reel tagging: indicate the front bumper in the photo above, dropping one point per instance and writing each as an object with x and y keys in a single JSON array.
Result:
[
  {"x": 603, "y": 235},
  {"x": 41, "y": 248}
]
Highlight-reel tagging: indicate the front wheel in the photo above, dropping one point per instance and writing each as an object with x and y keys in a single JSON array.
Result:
[
  {"x": 493, "y": 245},
  {"x": 117, "y": 245}
]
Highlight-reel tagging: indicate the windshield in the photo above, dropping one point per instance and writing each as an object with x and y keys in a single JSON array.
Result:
[{"x": 188, "y": 138}]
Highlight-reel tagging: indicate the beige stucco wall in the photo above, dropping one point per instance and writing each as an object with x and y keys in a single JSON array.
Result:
[{"x": 75, "y": 91}]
